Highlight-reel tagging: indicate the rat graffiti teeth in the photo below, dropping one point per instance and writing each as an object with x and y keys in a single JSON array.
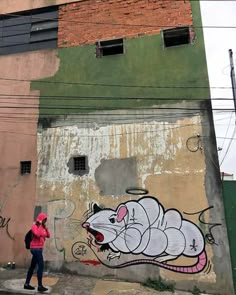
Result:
[{"x": 98, "y": 236}]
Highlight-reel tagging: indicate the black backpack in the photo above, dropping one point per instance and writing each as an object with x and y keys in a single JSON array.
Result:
[{"x": 28, "y": 239}]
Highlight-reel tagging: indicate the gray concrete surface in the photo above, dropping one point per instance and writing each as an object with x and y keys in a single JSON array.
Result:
[{"x": 12, "y": 281}]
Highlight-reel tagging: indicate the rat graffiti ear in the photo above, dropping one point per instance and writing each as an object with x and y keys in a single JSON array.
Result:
[
  {"x": 121, "y": 213},
  {"x": 96, "y": 208}
]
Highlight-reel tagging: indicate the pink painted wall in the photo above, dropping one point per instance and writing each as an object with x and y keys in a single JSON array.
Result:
[
  {"x": 9, "y": 6},
  {"x": 18, "y": 142}
]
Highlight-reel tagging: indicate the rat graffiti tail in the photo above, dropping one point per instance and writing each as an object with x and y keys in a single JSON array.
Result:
[{"x": 191, "y": 269}]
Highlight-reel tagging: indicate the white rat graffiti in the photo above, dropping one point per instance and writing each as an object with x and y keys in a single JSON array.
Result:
[{"x": 144, "y": 227}]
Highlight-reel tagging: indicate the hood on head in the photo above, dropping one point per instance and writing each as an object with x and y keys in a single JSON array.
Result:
[{"x": 41, "y": 217}]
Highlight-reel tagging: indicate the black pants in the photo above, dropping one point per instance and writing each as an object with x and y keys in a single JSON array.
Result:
[{"x": 37, "y": 259}]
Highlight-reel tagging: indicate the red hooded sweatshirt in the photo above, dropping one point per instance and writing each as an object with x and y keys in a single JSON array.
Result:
[{"x": 39, "y": 232}]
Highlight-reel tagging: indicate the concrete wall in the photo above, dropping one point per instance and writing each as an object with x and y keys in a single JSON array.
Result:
[{"x": 158, "y": 157}]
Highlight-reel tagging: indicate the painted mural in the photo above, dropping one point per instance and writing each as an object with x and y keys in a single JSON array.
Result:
[
  {"x": 135, "y": 213},
  {"x": 144, "y": 228}
]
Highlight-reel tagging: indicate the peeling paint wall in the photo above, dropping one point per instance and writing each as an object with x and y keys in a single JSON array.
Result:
[{"x": 167, "y": 161}]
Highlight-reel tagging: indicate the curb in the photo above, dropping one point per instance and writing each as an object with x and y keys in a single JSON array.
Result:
[{"x": 4, "y": 291}]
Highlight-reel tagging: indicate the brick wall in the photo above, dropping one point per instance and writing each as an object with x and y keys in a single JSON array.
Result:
[{"x": 88, "y": 21}]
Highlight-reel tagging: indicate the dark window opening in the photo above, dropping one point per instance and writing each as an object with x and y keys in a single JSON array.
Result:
[
  {"x": 30, "y": 30},
  {"x": 176, "y": 36},
  {"x": 110, "y": 47},
  {"x": 25, "y": 167},
  {"x": 80, "y": 163}
]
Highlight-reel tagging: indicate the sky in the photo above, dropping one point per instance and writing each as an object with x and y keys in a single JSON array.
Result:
[{"x": 218, "y": 41}]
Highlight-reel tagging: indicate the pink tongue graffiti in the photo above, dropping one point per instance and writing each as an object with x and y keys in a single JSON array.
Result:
[{"x": 99, "y": 237}]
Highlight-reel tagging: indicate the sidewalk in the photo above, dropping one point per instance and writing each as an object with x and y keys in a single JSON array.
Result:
[{"x": 12, "y": 281}]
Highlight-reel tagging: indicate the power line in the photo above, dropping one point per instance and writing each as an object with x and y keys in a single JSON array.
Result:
[
  {"x": 91, "y": 114},
  {"x": 34, "y": 120},
  {"x": 99, "y": 98},
  {"x": 19, "y": 103},
  {"x": 96, "y": 108},
  {"x": 9, "y": 116},
  {"x": 182, "y": 126},
  {"x": 116, "y": 24},
  {"x": 117, "y": 117},
  {"x": 155, "y": 116},
  {"x": 117, "y": 134},
  {"x": 231, "y": 140},
  {"x": 226, "y": 132},
  {"x": 81, "y": 119},
  {"x": 98, "y": 115},
  {"x": 113, "y": 85},
  {"x": 227, "y": 138},
  {"x": 102, "y": 135}
]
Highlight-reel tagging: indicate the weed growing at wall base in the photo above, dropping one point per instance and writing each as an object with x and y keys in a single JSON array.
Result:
[
  {"x": 159, "y": 285},
  {"x": 196, "y": 291}
]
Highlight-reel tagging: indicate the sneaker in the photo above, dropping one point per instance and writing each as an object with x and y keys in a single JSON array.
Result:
[
  {"x": 42, "y": 289},
  {"x": 28, "y": 287}
]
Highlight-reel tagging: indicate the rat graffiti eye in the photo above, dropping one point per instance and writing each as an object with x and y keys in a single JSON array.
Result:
[{"x": 112, "y": 220}]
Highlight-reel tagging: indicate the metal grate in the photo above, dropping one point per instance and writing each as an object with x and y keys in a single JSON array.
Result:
[
  {"x": 25, "y": 167},
  {"x": 80, "y": 163}
]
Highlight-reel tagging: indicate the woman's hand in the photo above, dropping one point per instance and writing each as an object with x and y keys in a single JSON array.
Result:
[{"x": 44, "y": 223}]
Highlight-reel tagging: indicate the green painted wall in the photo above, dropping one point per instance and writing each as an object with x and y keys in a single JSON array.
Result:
[
  {"x": 145, "y": 63},
  {"x": 229, "y": 190}
]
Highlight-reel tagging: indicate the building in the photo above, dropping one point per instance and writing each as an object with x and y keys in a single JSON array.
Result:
[
  {"x": 226, "y": 176},
  {"x": 104, "y": 102},
  {"x": 229, "y": 190}
]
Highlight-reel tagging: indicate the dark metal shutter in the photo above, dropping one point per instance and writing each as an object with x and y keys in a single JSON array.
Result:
[{"x": 32, "y": 30}]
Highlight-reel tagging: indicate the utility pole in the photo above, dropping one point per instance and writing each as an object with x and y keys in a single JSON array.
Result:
[{"x": 232, "y": 75}]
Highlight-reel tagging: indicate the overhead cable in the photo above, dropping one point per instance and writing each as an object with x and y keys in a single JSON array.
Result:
[
  {"x": 114, "y": 85},
  {"x": 117, "y": 24}
]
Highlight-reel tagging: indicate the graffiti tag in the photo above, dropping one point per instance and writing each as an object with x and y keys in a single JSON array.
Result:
[
  {"x": 209, "y": 236},
  {"x": 80, "y": 250},
  {"x": 4, "y": 224}
]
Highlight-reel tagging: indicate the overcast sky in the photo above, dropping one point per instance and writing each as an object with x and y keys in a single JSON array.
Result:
[{"x": 218, "y": 41}]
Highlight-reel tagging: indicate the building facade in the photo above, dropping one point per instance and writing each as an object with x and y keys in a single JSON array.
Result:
[{"x": 106, "y": 125}]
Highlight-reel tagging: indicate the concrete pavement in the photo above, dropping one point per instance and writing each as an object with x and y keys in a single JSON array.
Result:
[{"x": 12, "y": 281}]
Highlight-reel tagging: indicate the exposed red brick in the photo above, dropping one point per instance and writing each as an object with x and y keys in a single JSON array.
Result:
[{"x": 88, "y": 21}]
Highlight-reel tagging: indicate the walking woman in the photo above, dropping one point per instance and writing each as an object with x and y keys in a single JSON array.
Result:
[{"x": 39, "y": 235}]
